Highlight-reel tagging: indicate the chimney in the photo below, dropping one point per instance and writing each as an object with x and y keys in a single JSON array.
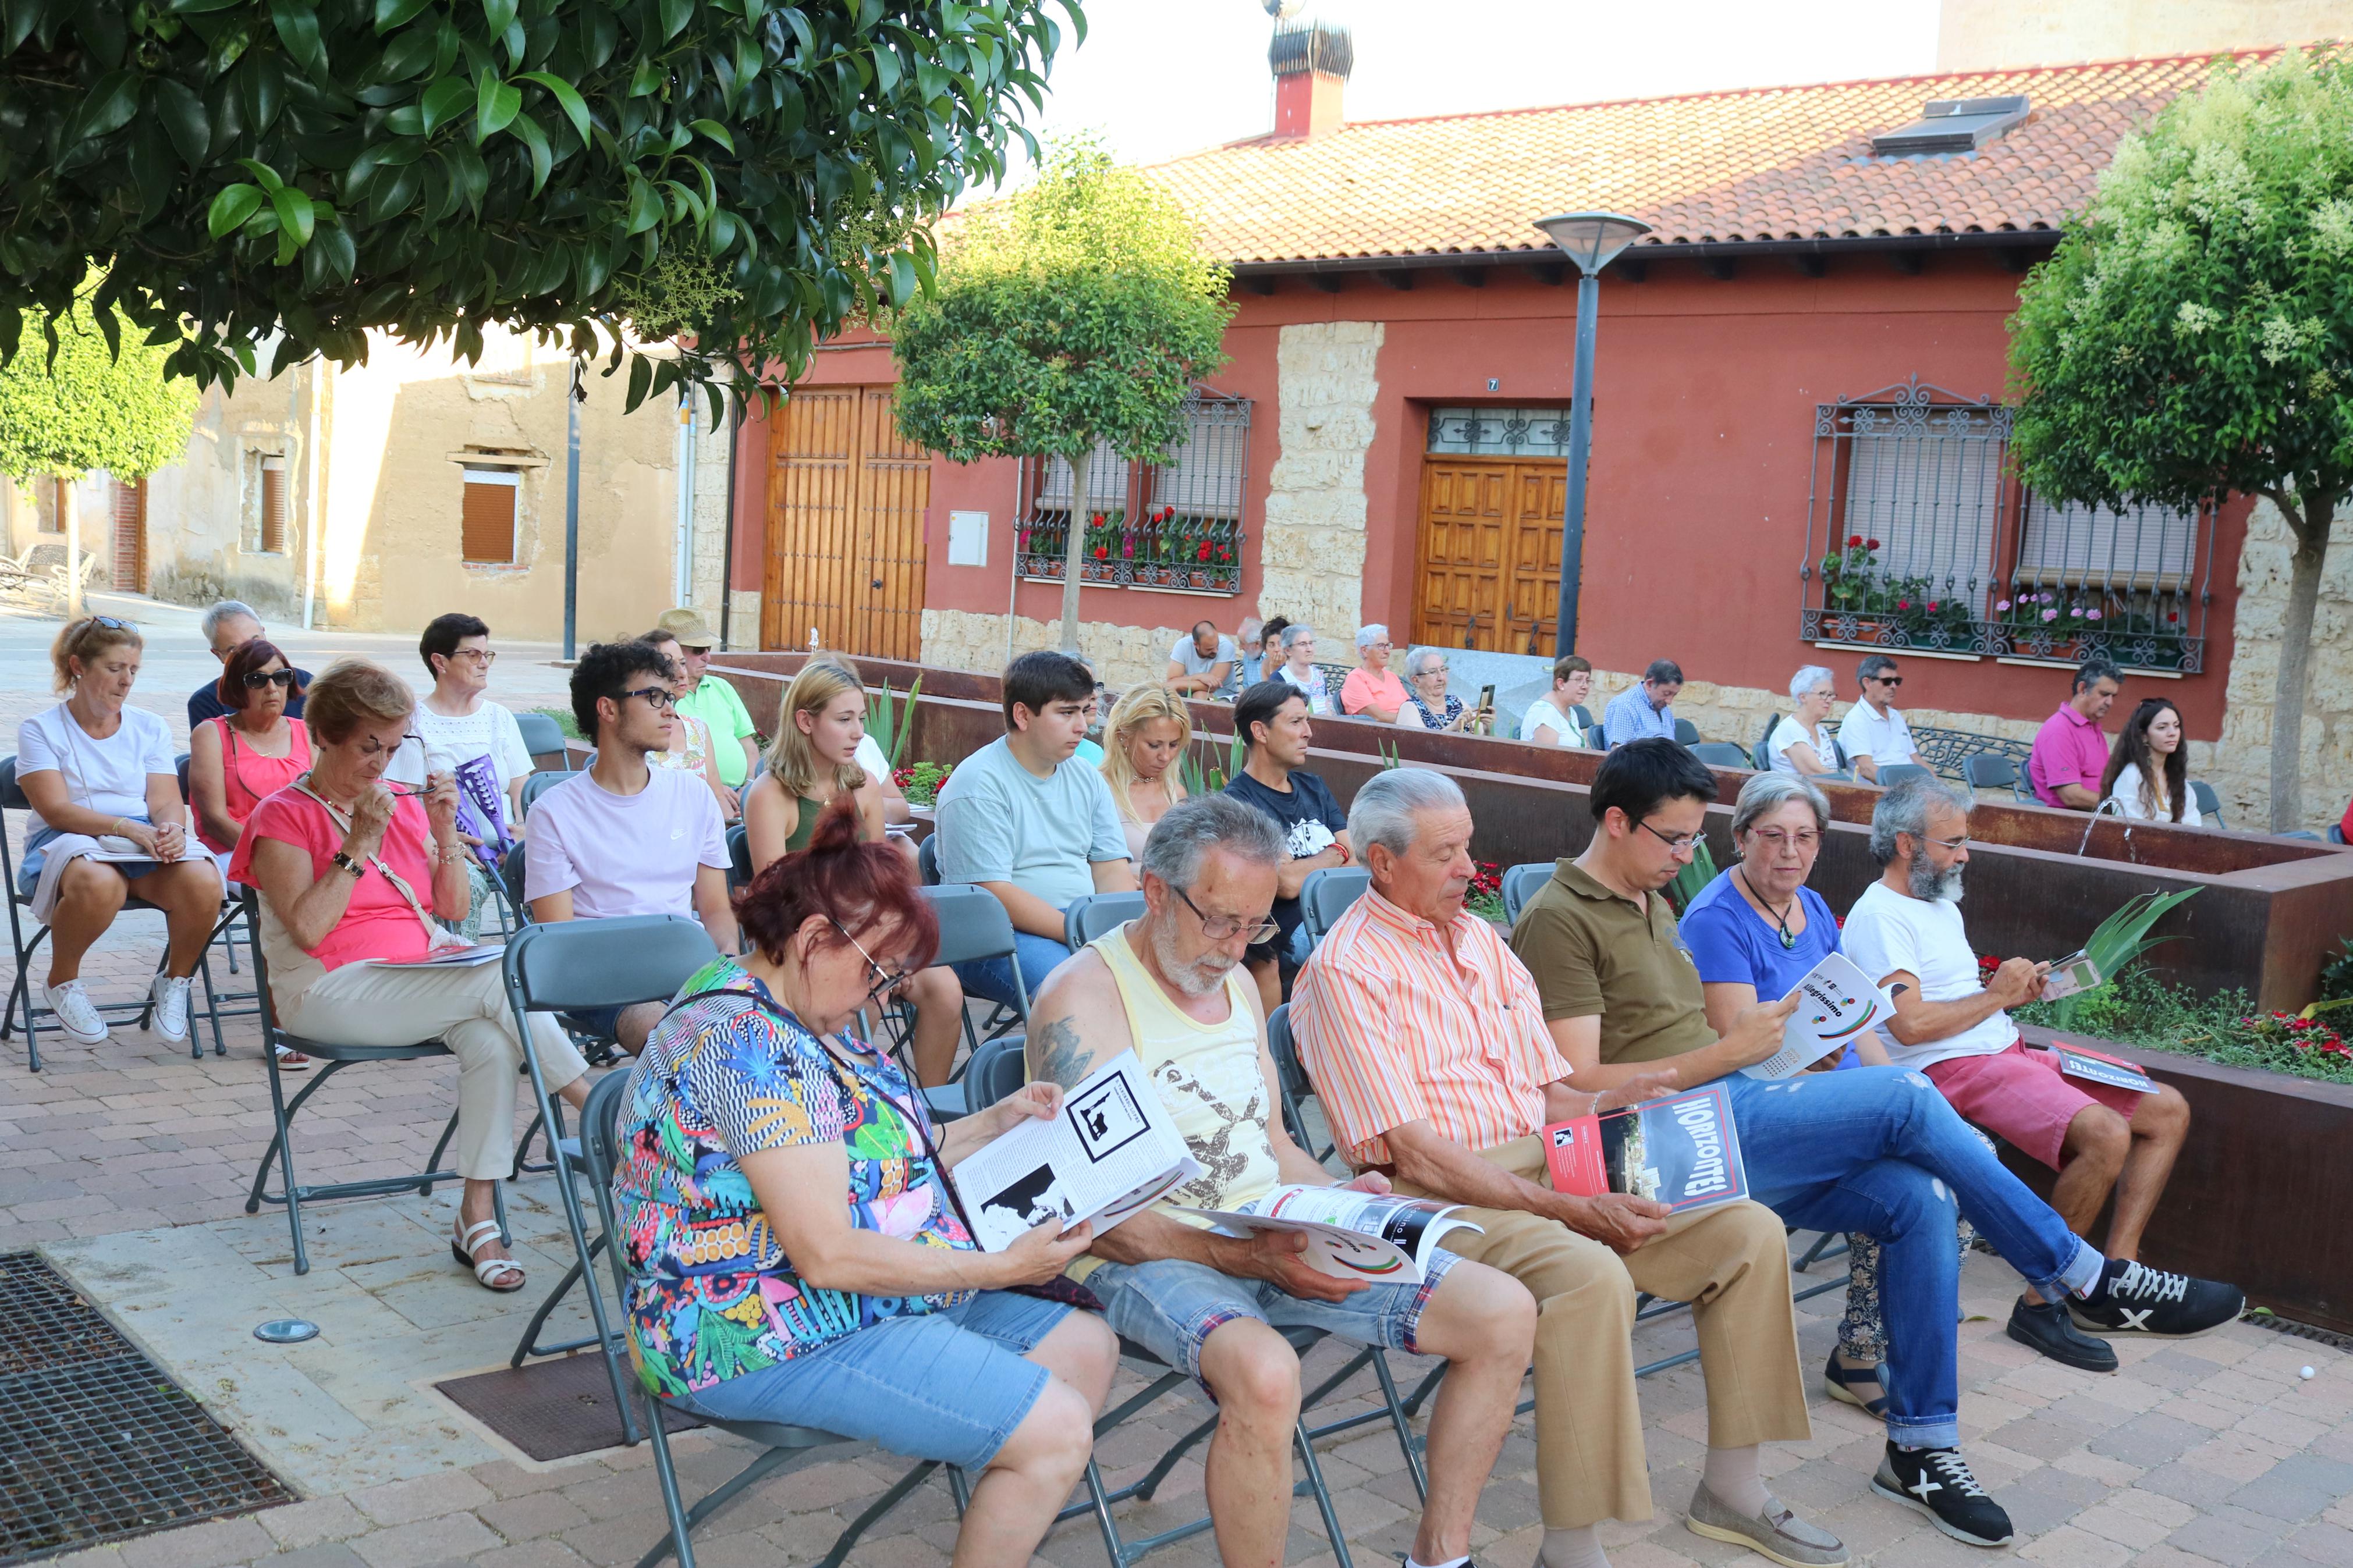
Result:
[{"x": 1311, "y": 62}]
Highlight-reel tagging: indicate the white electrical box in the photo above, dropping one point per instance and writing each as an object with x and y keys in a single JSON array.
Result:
[{"x": 968, "y": 539}]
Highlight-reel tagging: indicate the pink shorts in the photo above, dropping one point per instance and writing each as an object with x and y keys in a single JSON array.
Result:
[{"x": 2022, "y": 1098}]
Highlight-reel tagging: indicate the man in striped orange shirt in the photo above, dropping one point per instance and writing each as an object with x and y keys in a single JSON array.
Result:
[{"x": 1427, "y": 1042}]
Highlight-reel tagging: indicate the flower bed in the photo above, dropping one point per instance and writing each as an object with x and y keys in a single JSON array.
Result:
[
  {"x": 2139, "y": 1009},
  {"x": 920, "y": 781},
  {"x": 1485, "y": 898}
]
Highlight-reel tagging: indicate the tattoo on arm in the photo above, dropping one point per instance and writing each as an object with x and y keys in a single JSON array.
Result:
[{"x": 1061, "y": 1057}]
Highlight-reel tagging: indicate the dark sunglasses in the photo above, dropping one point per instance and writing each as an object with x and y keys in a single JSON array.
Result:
[
  {"x": 1888, "y": 679},
  {"x": 255, "y": 680},
  {"x": 111, "y": 623}
]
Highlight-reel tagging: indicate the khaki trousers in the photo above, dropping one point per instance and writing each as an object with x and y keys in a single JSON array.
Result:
[
  {"x": 1731, "y": 1262},
  {"x": 466, "y": 1009}
]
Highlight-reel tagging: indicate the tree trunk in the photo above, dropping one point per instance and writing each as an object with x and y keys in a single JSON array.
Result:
[
  {"x": 69, "y": 521},
  {"x": 2311, "y": 533},
  {"x": 1074, "y": 546}
]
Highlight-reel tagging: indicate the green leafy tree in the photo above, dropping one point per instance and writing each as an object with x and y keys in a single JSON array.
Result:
[
  {"x": 745, "y": 171},
  {"x": 85, "y": 407},
  {"x": 1078, "y": 311},
  {"x": 2193, "y": 336}
]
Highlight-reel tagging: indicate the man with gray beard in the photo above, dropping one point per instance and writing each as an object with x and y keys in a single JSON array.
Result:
[
  {"x": 1169, "y": 986},
  {"x": 1953, "y": 1027}
]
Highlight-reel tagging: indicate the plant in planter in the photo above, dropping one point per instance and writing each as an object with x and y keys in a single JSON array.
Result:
[
  {"x": 1104, "y": 547},
  {"x": 1930, "y": 619},
  {"x": 921, "y": 782}
]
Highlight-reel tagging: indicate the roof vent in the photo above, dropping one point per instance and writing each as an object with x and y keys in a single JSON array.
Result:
[
  {"x": 1312, "y": 46},
  {"x": 1311, "y": 62},
  {"x": 1952, "y": 125}
]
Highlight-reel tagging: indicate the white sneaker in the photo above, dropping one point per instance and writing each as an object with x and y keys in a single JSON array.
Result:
[
  {"x": 169, "y": 1013},
  {"x": 77, "y": 1015}
]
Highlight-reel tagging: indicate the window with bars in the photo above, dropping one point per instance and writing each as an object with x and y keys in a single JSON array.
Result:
[
  {"x": 487, "y": 527},
  {"x": 1175, "y": 524},
  {"x": 267, "y": 505},
  {"x": 1499, "y": 432},
  {"x": 1920, "y": 536}
]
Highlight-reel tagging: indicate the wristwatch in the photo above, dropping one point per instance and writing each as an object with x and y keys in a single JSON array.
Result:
[{"x": 348, "y": 864}]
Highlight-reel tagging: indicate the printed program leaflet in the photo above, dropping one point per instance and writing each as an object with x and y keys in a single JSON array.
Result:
[
  {"x": 1350, "y": 1235},
  {"x": 1111, "y": 1151},
  {"x": 1837, "y": 1003}
]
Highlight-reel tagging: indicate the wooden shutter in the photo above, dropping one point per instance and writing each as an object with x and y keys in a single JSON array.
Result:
[
  {"x": 272, "y": 531},
  {"x": 487, "y": 529},
  {"x": 1933, "y": 500},
  {"x": 130, "y": 536},
  {"x": 2139, "y": 547},
  {"x": 1203, "y": 478}
]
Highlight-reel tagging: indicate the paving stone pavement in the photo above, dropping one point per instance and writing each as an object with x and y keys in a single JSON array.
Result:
[{"x": 127, "y": 1165}]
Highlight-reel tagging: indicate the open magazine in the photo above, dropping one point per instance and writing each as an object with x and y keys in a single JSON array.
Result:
[
  {"x": 1109, "y": 1154},
  {"x": 1351, "y": 1235},
  {"x": 1837, "y": 1003},
  {"x": 1681, "y": 1149}
]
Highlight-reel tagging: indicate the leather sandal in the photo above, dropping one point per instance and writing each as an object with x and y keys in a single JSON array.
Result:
[
  {"x": 484, "y": 1268},
  {"x": 1839, "y": 1384}
]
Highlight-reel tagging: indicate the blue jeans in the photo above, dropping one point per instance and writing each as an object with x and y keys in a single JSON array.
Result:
[
  {"x": 1877, "y": 1150},
  {"x": 993, "y": 977},
  {"x": 1171, "y": 1307}
]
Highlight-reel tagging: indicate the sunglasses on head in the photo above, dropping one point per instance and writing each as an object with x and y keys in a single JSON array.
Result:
[
  {"x": 255, "y": 680},
  {"x": 112, "y": 625}
]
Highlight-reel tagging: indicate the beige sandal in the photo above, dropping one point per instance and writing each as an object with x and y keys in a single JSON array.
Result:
[{"x": 484, "y": 1268}]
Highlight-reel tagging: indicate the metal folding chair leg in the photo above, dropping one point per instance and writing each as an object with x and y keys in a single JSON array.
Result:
[{"x": 294, "y": 1195}]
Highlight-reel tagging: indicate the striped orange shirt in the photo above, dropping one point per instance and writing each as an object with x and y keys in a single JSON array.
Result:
[{"x": 1396, "y": 1027}]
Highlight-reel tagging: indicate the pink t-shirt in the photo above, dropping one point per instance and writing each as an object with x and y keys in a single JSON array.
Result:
[
  {"x": 624, "y": 854},
  {"x": 2068, "y": 749},
  {"x": 1360, "y": 691},
  {"x": 379, "y": 923}
]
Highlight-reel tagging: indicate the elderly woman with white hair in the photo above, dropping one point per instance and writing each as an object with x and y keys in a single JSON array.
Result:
[
  {"x": 1372, "y": 690},
  {"x": 1430, "y": 705},
  {"x": 1800, "y": 744},
  {"x": 1298, "y": 669}
]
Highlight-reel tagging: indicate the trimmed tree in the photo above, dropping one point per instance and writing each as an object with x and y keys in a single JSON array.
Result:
[
  {"x": 1078, "y": 312},
  {"x": 745, "y": 172},
  {"x": 88, "y": 408},
  {"x": 2192, "y": 336}
]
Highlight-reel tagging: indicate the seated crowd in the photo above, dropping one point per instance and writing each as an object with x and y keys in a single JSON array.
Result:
[{"x": 1437, "y": 1049}]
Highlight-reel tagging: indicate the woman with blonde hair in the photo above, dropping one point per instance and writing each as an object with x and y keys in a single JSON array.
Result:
[
  {"x": 100, "y": 778},
  {"x": 1143, "y": 740},
  {"x": 812, "y": 762}
]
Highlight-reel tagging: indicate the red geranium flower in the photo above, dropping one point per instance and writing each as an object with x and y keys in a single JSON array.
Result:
[
  {"x": 1203, "y": 554},
  {"x": 1870, "y": 544},
  {"x": 1102, "y": 551},
  {"x": 1854, "y": 540},
  {"x": 1931, "y": 606},
  {"x": 1903, "y": 604}
]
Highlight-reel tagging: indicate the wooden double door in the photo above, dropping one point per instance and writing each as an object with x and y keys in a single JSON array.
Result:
[
  {"x": 1489, "y": 554},
  {"x": 845, "y": 500}
]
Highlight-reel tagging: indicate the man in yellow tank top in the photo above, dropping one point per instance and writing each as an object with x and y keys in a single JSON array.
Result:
[{"x": 1170, "y": 985}]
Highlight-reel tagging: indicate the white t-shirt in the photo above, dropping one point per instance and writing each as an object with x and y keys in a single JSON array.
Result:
[
  {"x": 1310, "y": 686},
  {"x": 109, "y": 776},
  {"x": 870, "y": 757},
  {"x": 624, "y": 854},
  {"x": 1542, "y": 712},
  {"x": 1789, "y": 732},
  {"x": 1885, "y": 740},
  {"x": 1886, "y": 931},
  {"x": 2127, "y": 795},
  {"x": 490, "y": 731}
]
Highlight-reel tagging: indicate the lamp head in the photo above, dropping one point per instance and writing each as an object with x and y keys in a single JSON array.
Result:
[{"x": 1592, "y": 239}]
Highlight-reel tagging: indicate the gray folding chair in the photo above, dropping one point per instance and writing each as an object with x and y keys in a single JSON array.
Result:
[
  {"x": 538, "y": 785},
  {"x": 1894, "y": 774},
  {"x": 1326, "y": 896},
  {"x": 1520, "y": 885},
  {"x": 1763, "y": 750},
  {"x": 739, "y": 858},
  {"x": 1098, "y": 914},
  {"x": 927, "y": 859},
  {"x": 1722, "y": 754},
  {"x": 331, "y": 1059},
  {"x": 543, "y": 736},
  {"x": 576, "y": 966},
  {"x": 21, "y": 1007},
  {"x": 2209, "y": 804},
  {"x": 973, "y": 925},
  {"x": 1686, "y": 733},
  {"x": 1990, "y": 769}
]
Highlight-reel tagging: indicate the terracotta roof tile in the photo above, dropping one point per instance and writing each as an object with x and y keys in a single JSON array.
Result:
[{"x": 1786, "y": 162}]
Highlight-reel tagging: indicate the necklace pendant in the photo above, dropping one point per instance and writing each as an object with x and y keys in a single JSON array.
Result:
[{"x": 1788, "y": 938}]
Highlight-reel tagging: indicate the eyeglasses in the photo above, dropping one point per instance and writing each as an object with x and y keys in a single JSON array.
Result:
[
  {"x": 1777, "y": 839},
  {"x": 1679, "y": 843},
  {"x": 481, "y": 656},
  {"x": 1960, "y": 843},
  {"x": 1225, "y": 928},
  {"x": 255, "y": 680},
  {"x": 658, "y": 698},
  {"x": 885, "y": 979},
  {"x": 371, "y": 748}
]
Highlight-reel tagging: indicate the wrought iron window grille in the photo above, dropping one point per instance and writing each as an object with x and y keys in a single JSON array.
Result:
[
  {"x": 1172, "y": 526},
  {"x": 1918, "y": 535}
]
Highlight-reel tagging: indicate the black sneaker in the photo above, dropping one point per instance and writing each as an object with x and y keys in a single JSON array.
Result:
[
  {"x": 2046, "y": 1331},
  {"x": 2134, "y": 1298},
  {"x": 1937, "y": 1482}
]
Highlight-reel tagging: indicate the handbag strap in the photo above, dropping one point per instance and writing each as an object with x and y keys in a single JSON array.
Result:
[{"x": 343, "y": 820}]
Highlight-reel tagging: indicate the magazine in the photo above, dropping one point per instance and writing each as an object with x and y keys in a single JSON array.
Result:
[
  {"x": 1109, "y": 1154},
  {"x": 2093, "y": 1067},
  {"x": 2071, "y": 976},
  {"x": 1351, "y": 1235},
  {"x": 1681, "y": 1149},
  {"x": 115, "y": 849},
  {"x": 442, "y": 958},
  {"x": 1837, "y": 1003}
]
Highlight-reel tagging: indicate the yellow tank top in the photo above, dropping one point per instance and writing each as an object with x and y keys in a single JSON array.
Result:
[{"x": 1208, "y": 1080}]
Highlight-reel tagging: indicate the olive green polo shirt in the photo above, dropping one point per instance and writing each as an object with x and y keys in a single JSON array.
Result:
[{"x": 1593, "y": 952}]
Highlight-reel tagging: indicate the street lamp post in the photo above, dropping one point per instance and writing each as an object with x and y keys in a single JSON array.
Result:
[{"x": 1591, "y": 240}]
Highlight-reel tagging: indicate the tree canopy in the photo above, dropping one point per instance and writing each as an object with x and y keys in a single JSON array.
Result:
[
  {"x": 91, "y": 409},
  {"x": 743, "y": 171},
  {"x": 2192, "y": 336},
  {"x": 1079, "y": 310}
]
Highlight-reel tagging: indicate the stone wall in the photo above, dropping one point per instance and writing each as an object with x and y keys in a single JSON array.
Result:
[
  {"x": 1312, "y": 559},
  {"x": 966, "y": 639},
  {"x": 2239, "y": 766}
]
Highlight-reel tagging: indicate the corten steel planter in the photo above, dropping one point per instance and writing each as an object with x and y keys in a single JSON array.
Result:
[{"x": 2272, "y": 911}]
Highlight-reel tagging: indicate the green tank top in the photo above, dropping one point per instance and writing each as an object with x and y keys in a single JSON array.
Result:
[{"x": 805, "y": 823}]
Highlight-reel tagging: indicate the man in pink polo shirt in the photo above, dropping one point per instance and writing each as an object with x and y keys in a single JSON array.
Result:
[{"x": 2070, "y": 750}]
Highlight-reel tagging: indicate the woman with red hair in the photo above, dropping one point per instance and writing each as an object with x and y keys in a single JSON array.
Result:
[{"x": 756, "y": 1294}]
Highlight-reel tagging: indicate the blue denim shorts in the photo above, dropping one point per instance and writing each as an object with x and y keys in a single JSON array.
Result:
[
  {"x": 1171, "y": 1307},
  {"x": 949, "y": 1386}
]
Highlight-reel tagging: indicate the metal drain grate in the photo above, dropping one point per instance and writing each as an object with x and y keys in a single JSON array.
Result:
[
  {"x": 2294, "y": 1329},
  {"x": 97, "y": 1444}
]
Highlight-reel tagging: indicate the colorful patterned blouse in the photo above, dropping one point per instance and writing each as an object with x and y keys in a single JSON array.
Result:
[{"x": 711, "y": 1295}]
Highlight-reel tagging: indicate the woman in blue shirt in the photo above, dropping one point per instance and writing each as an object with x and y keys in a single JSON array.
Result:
[{"x": 1753, "y": 933}]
